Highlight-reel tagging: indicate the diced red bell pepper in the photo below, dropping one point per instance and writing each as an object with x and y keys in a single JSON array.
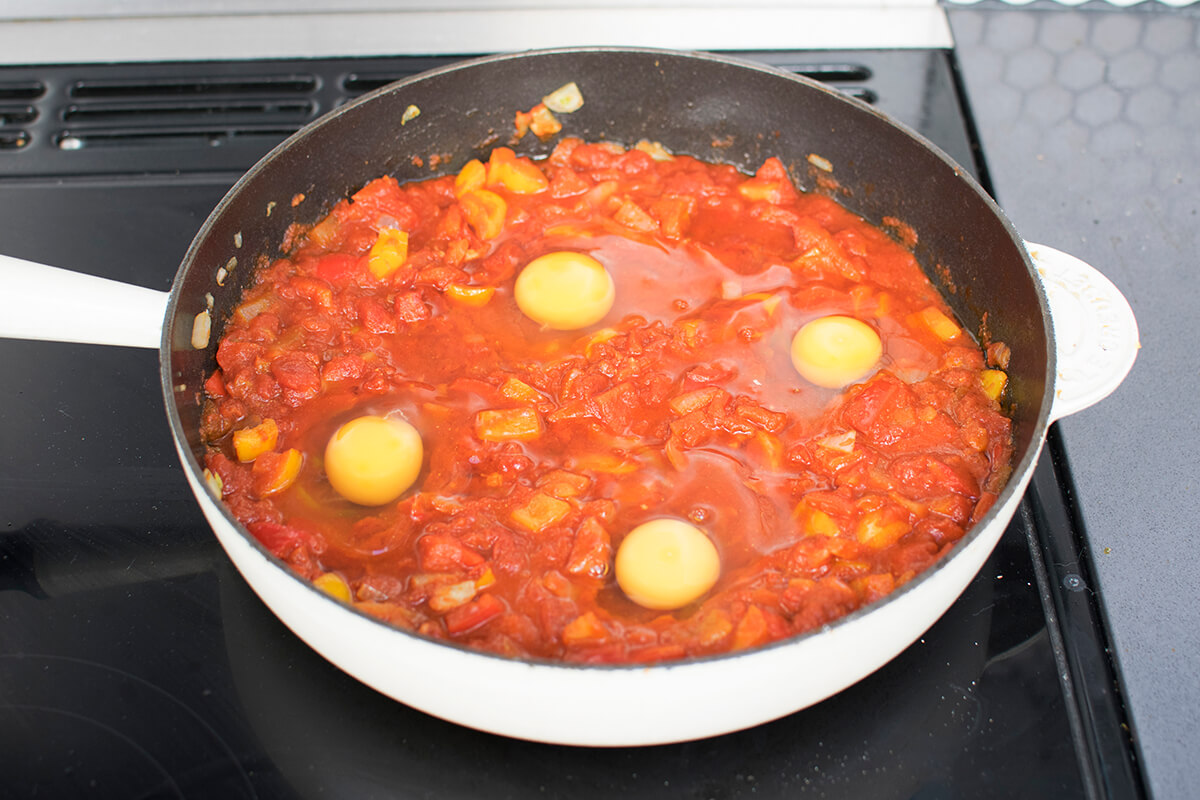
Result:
[{"x": 473, "y": 614}]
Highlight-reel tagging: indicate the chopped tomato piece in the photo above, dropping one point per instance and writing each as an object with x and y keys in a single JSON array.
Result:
[
  {"x": 335, "y": 266},
  {"x": 215, "y": 385},
  {"x": 591, "y": 552},
  {"x": 542, "y": 122},
  {"x": 444, "y": 553}
]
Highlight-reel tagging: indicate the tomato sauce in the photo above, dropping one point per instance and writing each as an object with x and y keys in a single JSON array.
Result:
[{"x": 543, "y": 448}]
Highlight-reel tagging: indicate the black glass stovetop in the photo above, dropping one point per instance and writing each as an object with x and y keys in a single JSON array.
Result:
[{"x": 136, "y": 663}]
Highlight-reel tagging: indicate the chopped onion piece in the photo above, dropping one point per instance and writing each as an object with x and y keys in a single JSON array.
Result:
[
  {"x": 564, "y": 99},
  {"x": 201, "y": 329},
  {"x": 841, "y": 442},
  {"x": 655, "y": 150},
  {"x": 820, "y": 162}
]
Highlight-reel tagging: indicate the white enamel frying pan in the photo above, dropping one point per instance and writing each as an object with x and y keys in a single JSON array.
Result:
[{"x": 1072, "y": 335}]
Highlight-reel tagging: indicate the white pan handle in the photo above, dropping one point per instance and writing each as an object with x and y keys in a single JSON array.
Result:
[
  {"x": 41, "y": 302},
  {"x": 1094, "y": 328}
]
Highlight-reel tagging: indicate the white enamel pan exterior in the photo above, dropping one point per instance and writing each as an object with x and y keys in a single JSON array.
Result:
[{"x": 1090, "y": 344}]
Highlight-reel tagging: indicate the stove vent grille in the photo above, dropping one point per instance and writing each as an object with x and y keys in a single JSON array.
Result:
[{"x": 114, "y": 119}]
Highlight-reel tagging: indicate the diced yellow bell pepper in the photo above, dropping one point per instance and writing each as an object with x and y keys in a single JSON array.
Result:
[
  {"x": 486, "y": 579},
  {"x": 815, "y": 522},
  {"x": 333, "y": 585},
  {"x": 517, "y": 389},
  {"x": 485, "y": 212},
  {"x": 500, "y": 155},
  {"x": 605, "y": 462},
  {"x": 759, "y": 189},
  {"x": 751, "y": 629},
  {"x": 389, "y": 253},
  {"x": 994, "y": 381},
  {"x": 540, "y": 512},
  {"x": 564, "y": 483},
  {"x": 584, "y": 629},
  {"x": 770, "y": 447},
  {"x": 508, "y": 424},
  {"x": 472, "y": 176},
  {"x": 634, "y": 217},
  {"x": 474, "y": 296},
  {"x": 284, "y": 472},
  {"x": 250, "y": 443},
  {"x": 519, "y": 176},
  {"x": 599, "y": 337},
  {"x": 942, "y": 326},
  {"x": 878, "y": 529}
]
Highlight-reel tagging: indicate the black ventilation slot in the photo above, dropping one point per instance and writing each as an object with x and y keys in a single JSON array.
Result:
[
  {"x": 831, "y": 73},
  {"x": 840, "y": 76},
  {"x": 860, "y": 93},
  {"x": 21, "y": 90},
  {"x": 175, "y": 87},
  {"x": 127, "y": 113},
  {"x": 13, "y": 140},
  {"x": 160, "y": 137},
  {"x": 16, "y": 115},
  {"x": 355, "y": 84}
]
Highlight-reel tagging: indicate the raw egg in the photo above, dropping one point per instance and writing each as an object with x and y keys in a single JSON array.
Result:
[
  {"x": 665, "y": 564},
  {"x": 372, "y": 460},
  {"x": 835, "y": 351},
  {"x": 564, "y": 290}
]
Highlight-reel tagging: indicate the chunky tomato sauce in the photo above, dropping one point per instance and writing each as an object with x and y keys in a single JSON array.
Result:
[{"x": 543, "y": 448}]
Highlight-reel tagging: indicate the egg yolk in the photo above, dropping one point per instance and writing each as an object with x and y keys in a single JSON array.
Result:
[
  {"x": 564, "y": 290},
  {"x": 835, "y": 351},
  {"x": 665, "y": 564},
  {"x": 372, "y": 460}
]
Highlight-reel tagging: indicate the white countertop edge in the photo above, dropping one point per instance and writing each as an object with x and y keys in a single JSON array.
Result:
[{"x": 373, "y": 33}]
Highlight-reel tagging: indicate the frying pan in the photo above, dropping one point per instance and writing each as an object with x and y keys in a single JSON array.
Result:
[{"x": 711, "y": 107}]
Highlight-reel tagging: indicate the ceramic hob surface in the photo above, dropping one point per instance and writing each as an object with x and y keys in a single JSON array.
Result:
[{"x": 135, "y": 662}]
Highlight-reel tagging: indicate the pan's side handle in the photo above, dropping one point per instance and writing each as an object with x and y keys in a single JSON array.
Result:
[
  {"x": 42, "y": 302},
  {"x": 1094, "y": 329}
]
